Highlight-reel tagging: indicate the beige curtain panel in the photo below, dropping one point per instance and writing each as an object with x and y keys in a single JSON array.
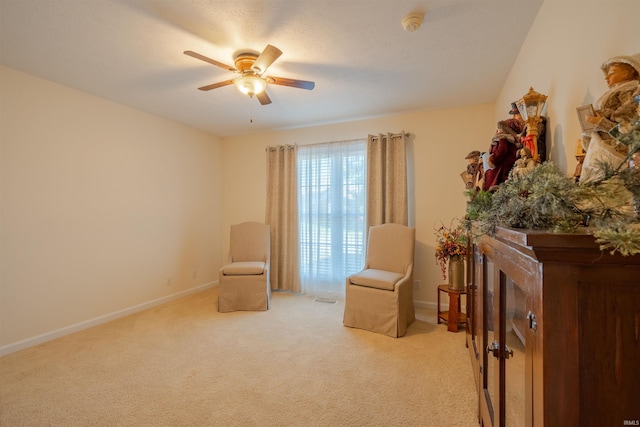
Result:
[
  {"x": 387, "y": 200},
  {"x": 282, "y": 217}
]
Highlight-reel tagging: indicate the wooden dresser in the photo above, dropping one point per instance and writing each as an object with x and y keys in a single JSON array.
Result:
[{"x": 553, "y": 331}]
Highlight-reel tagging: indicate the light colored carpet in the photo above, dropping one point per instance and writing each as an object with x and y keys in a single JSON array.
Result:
[{"x": 185, "y": 364}]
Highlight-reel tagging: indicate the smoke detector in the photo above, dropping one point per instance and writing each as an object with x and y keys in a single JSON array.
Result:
[{"x": 412, "y": 22}]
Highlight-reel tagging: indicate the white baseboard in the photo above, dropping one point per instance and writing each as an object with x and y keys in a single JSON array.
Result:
[
  {"x": 39, "y": 339},
  {"x": 426, "y": 304}
]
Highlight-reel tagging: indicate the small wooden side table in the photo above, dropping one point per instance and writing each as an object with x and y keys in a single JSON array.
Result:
[{"x": 454, "y": 315}]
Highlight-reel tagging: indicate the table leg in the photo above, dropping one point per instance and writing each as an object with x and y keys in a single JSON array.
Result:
[
  {"x": 438, "y": 315},
  {"x": 454, "y": 312}
]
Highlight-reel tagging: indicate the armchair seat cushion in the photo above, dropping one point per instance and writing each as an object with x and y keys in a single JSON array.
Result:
[
  {"x": 378, "y": 279},
  {"x": 243, "y": 268}
]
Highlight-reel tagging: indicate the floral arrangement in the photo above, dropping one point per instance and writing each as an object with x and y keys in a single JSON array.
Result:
[{"x": 450, "y": 242}]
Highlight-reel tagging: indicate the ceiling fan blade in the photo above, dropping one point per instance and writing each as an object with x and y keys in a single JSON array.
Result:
[
  {"x": 210, "y": 61},
  {"x": 263, "y": 98},
  {"x": 216, "y": 85},
  {"x": 266, "y": 58},
  {"x": 300, "y": 84}
]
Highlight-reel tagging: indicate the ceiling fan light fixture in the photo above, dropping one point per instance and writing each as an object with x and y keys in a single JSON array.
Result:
[{"x": 250, "y": 84}]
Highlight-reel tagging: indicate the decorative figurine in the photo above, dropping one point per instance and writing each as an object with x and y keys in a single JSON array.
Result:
[
  {"x": 580, "y": 158},
  {"x": 539, "y": 145},
  {"x": 524, "y": 164},
  {"x": 472, "y": 176},
  {"x": 615, "y": 108},
  {"x": 502, "y": 154}
]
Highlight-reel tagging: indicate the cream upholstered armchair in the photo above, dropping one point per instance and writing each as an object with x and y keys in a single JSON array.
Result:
[
  {"x": 380, "y": 297},
  {"x": 244, "y": 281}
]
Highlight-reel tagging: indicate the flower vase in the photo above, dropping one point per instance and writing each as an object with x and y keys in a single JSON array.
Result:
[{"x": 456, "y": 273}]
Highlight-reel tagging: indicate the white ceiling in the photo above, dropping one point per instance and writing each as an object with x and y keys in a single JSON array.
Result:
[{"x": 363, "y": 62}]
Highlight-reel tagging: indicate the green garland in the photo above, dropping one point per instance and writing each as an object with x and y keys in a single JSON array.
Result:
[{"x": 546, "y": 199}]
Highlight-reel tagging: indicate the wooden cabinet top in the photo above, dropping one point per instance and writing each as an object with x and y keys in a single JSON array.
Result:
[{"x": 544, "y": 246}]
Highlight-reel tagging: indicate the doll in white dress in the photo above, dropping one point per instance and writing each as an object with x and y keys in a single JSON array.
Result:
[{"x": 614, "y": 108}]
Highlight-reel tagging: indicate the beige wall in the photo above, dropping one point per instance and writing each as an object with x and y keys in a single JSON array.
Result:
[
  {"x": 440, "y": 141},
  {"x": 100, "y": 205},
  {"x": 561, "y": 58}
]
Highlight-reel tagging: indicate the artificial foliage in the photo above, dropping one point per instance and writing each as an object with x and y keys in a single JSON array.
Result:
[
  {"x": 546, "y": 199},
  {"x": 479, "y": 202},
  {"x": 543, "y": 199},
  {"x": 622, "y": 237}
]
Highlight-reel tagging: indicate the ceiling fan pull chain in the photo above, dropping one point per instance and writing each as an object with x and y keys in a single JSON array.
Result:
[{"x": 251, "y": 109}]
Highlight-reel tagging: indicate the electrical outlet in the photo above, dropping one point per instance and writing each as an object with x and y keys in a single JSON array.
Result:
[
  {"x": 194, "y": 274},
  {"x": 169, "y": 281}
]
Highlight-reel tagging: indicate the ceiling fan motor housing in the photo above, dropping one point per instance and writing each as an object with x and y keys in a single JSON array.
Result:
[{"x": 244, "y": 61}]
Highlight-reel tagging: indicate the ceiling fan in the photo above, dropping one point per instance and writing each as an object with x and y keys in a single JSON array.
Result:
[{"x": 251, "y": 68}]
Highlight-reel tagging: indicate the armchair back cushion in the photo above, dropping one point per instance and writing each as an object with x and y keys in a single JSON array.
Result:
[
  {"x": 249, "y": 242},
  {"x": 390, "y": 248}
]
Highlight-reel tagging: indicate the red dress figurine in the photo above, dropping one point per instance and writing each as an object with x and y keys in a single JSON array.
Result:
[{"x": 503, "y": 152}]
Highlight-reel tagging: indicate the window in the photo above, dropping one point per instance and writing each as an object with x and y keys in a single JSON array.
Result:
[{"x": 332, "y": 206}]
